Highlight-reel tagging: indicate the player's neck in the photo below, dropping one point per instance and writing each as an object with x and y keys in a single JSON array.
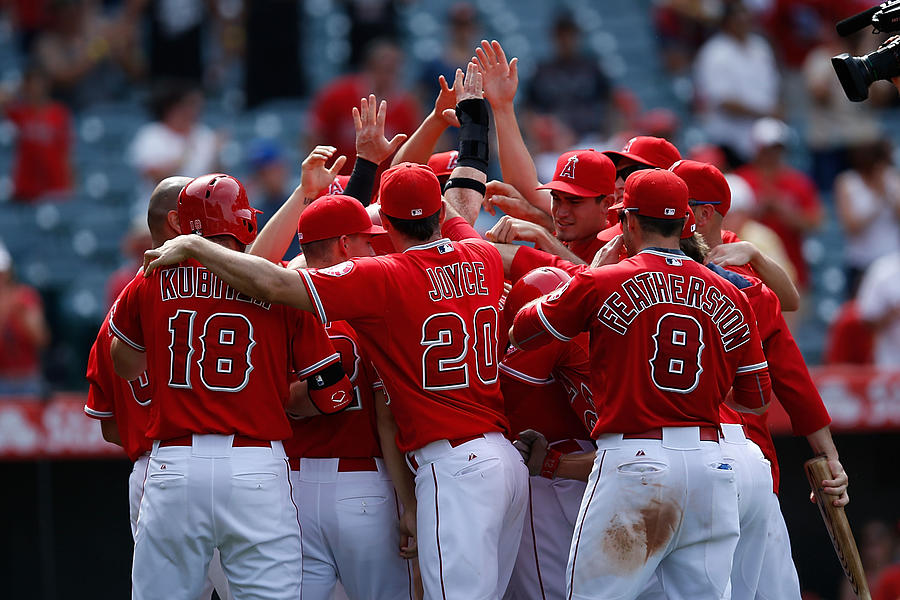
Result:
[
  {"x": 403, "y": 243},
  {"x": 658, "y": 241},
  {"x": 713, "y": 237}
]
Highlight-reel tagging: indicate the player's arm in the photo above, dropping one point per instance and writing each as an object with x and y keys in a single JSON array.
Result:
[
  {"x": 822, "y": 444},
  {"x": 395, "y": 463},
  {"x": 251, "y": 275},
  {"x": 465, "y": 188},
  {"x": 501, "y": 80},
  {"x": 771, "y": 273},
  {"x": 421, "y": 143},
  {"x": 128, "y": 362},
  {"x": 752, "y": 388},
  {"x": 326, "y": 392},
  {"x": 507, "y": 198},
  {"x": 547, "y": 462},
  {"x": 275, "y": 238},
  {"x": 110, "y": 431},
  {"x": 509, "y": 229}
]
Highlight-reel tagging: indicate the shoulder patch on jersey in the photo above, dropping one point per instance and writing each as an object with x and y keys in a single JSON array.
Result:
[
  {"x": 673, "y": 262},
  {"x": 338, "y": 270},
  {"x": 445, "y": 248}
]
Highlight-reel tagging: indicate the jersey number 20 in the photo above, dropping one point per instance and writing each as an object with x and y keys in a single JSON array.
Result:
[
  {"x": 225, "y": 343},
  {"x": 447, "y": 343}
]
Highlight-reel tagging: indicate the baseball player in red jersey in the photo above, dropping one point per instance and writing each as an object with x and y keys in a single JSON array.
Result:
[
  {"x": 548, "y": 389},
  {"x": 430, "y": 315},
  {"x": 123, "y": 407},
  {"x": 340, "y": 482},
  {"x": 677, "y": 337},
  {"x": 795, "y": 391},
  {"x": 218, "y": 475}
]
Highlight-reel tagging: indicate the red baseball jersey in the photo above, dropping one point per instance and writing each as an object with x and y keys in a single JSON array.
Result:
[
  {"x": 548, "y": 389},
  {"x": 351, "y": 433},
  {"x": 111, "y": 397},
  {"x": 219, "y": 361},
  {"x": 675, "y": 335},
  {"x": 585, "y": 249},
  {"x": 429, "y": 320},
  {"x": 791, "y": 383},
  {"x": 527, "y": 259}
]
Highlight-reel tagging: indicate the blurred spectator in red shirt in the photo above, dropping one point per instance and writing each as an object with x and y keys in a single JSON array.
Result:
[
  {"x": 850, "y": 339},
  {"x": 786, "y": 199},
  {"x": 571, "y": 85},
  {"x": 88, "y": 57},
  {"x": 331, "y": 119},
  {"x": 23, "y": 333},
  {"x": 867, "y": 198},
  {"x": 42, "y": 152}
]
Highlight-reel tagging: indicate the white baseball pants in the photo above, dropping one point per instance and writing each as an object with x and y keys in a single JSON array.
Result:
[
  {"x": 210, "y": 495},
  {"x": 471, "y": 508},
  {"x": 350, "y": 532},
  {"x": 780, "y": 581},
  {"x": 668, "y": 506},
  {"x": 540, "y": 571}
]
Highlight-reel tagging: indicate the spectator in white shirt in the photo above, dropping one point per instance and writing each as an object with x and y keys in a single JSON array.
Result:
[
  {"x": 736, "y": 82},
  {"x": 878, "y": 303}
]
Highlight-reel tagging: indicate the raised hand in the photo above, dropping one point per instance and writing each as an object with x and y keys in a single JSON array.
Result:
[
  {"x": 471, "y": 84},
  {"x": 505, "y": 197},
  {"x": 509, "y": 229},
  {"x": 609, "y": 253},
  {"x": 370, "y": 141},
  {"x": 501, "y": 78},
  {"x": 445, "y": 104},
  {"x": 314, "y": 177}
]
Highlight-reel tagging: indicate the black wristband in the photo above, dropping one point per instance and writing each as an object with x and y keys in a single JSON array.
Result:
[
  {"x": 466, "y": 182},
  {"x": 362, "y": 181},
  {"x": 474, "y": 122},
  {"x": 326, "y": 377}
]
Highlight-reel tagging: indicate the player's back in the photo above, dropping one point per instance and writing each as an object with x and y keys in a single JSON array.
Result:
[
  {"x": 219, "y": 360},
  {"x": 431, "y": 328},
  {"x": 668, "y": 337}
]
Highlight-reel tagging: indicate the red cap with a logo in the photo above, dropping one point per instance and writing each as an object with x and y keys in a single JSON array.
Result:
[
  {"x": 337, "y": 186},
  {"x": 706, "y": 184},
  {"x": 585, "y": 173},
  {"x": 648, "y": 150},
  {"x": 443, "y": 163},
  {"x": 333, "y": 216},
  {"x": 655, "y": 193},
  {"x": 410, "y": 191}
]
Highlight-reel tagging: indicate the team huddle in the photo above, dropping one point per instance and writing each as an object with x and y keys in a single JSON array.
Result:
[{"x": 410, "y": 410}]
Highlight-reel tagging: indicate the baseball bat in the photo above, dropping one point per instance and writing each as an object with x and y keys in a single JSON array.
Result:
[{"x": 838, "y": 527}]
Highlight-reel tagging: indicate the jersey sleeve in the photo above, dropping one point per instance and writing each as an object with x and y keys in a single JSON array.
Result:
[
  {"x": 752, "y": 386},
  {"x": 124, "y": 317},
  {"x": 99, "y": 404},
  {"x": 458, "y": 229},
  {"x": 527, "y": 259},
  {"x": 311, "y": 348},
  {"x": 353, "y": 289},
  {"x": 562, "y": 315}
]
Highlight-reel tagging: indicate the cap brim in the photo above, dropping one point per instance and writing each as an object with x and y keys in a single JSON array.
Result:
[
  {"x": 570, "y": 188},
  {"x": 615, "y": 156},
  {"x": 617, "y": 206},
  {"x": 374, "y": 230}
]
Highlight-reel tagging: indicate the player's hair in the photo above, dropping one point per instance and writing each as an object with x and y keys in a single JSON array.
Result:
[
  {"x": 662, "y": 227},
  {"x": 319, "y": 250},
  {"x": 417, "y": 229},
  {"x": 695, "y": 247}
]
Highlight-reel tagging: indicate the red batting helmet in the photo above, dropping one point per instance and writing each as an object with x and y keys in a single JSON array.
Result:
[
  {"x": 534, "y": 284},
  {"x": 217, "y": 204}
]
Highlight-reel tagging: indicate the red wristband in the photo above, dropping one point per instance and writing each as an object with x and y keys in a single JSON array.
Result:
[{"x": 551, "y": 463}]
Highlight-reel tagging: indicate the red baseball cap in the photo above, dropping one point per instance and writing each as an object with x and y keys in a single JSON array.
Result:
[
  {"x": 443, "y": 163},
  {"x": 585, "y": 173},
  {"x": 690, "y": 225},
  {"x": 706, "y": 184},
  {"x": 337, "y": 186},
  {"x": 333, "y": 216},
  {"x": 655, "y": 193},
  {"x": 410, "y": 191},
  {"x": 648, "y": 150}
]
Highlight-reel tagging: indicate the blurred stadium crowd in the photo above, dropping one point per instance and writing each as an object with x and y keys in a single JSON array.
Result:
[{"x": 102, "y": 99}]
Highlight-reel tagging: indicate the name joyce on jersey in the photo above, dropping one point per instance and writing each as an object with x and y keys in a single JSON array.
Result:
[
  {"x": 456, "y": 279},
  {"x": 644, "y": 290},
  {"x": 198, "y": 282}
]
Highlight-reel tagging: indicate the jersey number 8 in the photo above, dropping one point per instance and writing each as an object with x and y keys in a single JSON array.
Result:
[{"x": 678, "y": 346}]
